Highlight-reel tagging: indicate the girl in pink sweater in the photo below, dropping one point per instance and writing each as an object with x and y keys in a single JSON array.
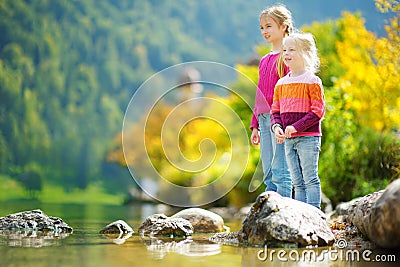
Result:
[{"x": 275, "y": 23}]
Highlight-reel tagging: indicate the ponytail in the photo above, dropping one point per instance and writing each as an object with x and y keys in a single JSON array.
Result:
[{"x": 280, "y": 66}]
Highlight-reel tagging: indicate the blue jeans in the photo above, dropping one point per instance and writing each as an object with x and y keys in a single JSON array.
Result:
[
  {"x": 276, "y": 171},
  {"x": 302, "y": 155}
]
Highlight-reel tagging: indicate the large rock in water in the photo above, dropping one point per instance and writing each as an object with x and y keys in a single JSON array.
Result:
[
  {"x": 377, "y": 216},
  {"x": 358, "y": 210},
  {"x": 32, "y": 229},
  {"x": 203, "y": 221},
  {"x": 276, "y": 219},
  {"x": 34, "y": 220}
]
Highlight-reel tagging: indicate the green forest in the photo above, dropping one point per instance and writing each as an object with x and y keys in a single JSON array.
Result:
[{"x": 69, "y": 68}]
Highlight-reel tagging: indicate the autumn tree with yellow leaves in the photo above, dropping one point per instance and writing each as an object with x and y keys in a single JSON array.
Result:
[{"x": 372, "y": 75}]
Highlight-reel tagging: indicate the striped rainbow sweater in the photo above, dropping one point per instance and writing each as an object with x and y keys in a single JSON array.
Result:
[{"x": 300, "y": 102}]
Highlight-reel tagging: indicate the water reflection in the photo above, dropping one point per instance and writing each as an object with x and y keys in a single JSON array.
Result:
[
  {"x": 159, "y": 248},
  {"x": 30, "y": 238},
  {"x": 120, "y": 238}
]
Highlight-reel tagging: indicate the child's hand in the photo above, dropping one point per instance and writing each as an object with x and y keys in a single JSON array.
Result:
[
  {"x": 289, "y": 131},
  {"x": 255, "y": 137},
  {"x": 280, "y": 136}
]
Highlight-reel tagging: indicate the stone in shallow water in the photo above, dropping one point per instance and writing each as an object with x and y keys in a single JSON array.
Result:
[
  {"x": 119, "y": 231},
  {"x": 116, "y": 227},
  {"x": 32, "y": 229},
  {"x": 34, "y": 220},
  {"x": 203, "y": 221},
  {"x": 161, "y": 225}
]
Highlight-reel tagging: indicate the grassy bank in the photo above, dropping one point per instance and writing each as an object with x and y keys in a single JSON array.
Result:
[{"x": 93, "y": 194}]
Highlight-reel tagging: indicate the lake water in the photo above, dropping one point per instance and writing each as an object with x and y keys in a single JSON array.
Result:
[{"x": 86, "y": 247}]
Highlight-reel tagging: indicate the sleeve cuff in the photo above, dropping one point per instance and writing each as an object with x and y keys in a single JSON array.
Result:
[{"x": 274, "y": 126}]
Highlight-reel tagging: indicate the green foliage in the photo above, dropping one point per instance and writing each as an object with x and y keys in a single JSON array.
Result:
[
  {"x": 29, "y": 177},
  {"x": 354, "y": 160},
  {"x": 92, "y": 194},
  {"x": 11, "y": 189},
  {"x": 61, "y": 91},
  {"x": 68, "y": 68}
]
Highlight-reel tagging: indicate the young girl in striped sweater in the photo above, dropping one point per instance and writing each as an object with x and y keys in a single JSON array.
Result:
[{"x": 296, "y": 113}]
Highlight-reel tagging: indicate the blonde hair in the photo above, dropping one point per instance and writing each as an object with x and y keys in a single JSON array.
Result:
[
  {"x": 305, "y": 42},
  {"x": 282, "y": 16}
]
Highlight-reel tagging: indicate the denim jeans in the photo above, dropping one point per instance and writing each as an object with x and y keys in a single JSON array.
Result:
[
  {"x": 276, "y": 171},
  {"x": 302, "y": 155}
]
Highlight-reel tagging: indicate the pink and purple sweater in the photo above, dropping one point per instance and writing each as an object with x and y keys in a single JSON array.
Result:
[
  {"x": 300, "y": 102},
  {"x": 268, "y": 76}
]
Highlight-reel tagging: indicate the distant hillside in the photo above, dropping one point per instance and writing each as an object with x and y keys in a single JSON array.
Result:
[
  {"x": 234, "y": 24},
  {"x": 231, "y": 27},
  {"x": 307, "y": 11}
]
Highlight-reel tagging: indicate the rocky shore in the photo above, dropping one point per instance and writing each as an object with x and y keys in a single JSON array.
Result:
[
  {"x": 372, "y": 220},
  {"x": 273, "y": 220}
]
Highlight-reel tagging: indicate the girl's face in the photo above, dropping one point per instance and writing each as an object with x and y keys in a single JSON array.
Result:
[
  {"x": 271, "y": 31},
  {"x": 292, "y": 56}
]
